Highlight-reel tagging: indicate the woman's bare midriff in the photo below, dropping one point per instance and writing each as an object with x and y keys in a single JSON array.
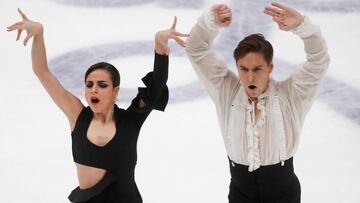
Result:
[{"x": 89, "y": 176}]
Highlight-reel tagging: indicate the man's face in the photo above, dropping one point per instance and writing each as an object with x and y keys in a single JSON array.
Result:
[{"x": 254, "y": 73}]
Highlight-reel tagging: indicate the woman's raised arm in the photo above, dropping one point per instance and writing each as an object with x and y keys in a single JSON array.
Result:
[{"x": 67, "y": 102}]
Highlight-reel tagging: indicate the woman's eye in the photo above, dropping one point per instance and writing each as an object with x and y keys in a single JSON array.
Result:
[
  {"x": 102, "y": 85},
  {"x": 89, "y": 85}
]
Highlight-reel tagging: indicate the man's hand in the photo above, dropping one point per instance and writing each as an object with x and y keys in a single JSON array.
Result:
[
  {"x": 222, "y": 14},
  {"x": 287, "y": 18}
]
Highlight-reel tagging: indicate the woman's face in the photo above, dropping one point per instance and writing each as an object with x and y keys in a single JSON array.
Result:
[{"x": 99, "y": 91}]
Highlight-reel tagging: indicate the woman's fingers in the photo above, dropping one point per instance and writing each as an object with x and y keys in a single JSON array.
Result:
[
  {"x": 174, "y": 23},
  {"x": 179, "y": 41},
  {"x": 28, "y": 36},
  {"x": 181, "y": 34},
  {"x": 15, "y": 26},
  {"x": 162, "y": 38},
  {"x": 18, "y": 34},
  {"x": 22, "y": 14}
]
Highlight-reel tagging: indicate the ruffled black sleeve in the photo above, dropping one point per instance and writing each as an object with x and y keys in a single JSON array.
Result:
[{"x": 155, "y": 94}]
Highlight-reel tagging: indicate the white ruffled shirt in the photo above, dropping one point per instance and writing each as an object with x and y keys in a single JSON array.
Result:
[{"x": 275, "y": 136}]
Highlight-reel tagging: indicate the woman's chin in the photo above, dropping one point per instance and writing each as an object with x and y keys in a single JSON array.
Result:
[
  {"x": 100, "y": 107},
  {"x": 95, "y": 107}
]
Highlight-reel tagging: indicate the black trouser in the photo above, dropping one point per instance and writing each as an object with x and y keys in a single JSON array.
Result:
[{"x": 267, "y": 184}]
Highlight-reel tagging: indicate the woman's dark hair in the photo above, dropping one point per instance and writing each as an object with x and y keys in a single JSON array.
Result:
[
  {"x": 114, "y": 73},
  {"x": 254, "y": 43}
]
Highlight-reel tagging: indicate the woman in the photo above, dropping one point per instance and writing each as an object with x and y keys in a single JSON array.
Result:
[{"x": 104, "y": 137}]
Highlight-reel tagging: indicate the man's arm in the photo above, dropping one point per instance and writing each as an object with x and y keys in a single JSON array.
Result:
[
  {"x": 303, "y": 84},
  {"x": 209, "y": 65}
]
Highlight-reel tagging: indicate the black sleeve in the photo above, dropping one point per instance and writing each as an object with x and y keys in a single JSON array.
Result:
[{"x": 155, "y": 94}]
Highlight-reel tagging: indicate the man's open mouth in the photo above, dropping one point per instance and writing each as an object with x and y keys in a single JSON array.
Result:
[{"x": 252, "y": 87}]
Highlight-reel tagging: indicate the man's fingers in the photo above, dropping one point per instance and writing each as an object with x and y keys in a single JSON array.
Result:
[
  {"x": 278, "y": 20},
  {"x": 224, "y": 7},
  {"x": 273, "y": 14},
  {"x": 279, "y": 5},
  {"x": 274, "y": 10},
  {"x": 224, "y": 16},
  {"x": 225, "y": 20},
  {"x": 226, "y": 23},
  {"x": 22, "y": 14},
  {"x": 18, "y": 34},
  {"x": 228, "y": 10},
  {"x": 283, "y": 27},
  {"x": 269, "y": 13},
  {"x": 217, "y": 7}
]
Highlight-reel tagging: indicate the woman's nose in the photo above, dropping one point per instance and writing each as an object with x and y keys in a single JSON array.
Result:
[{"x": 94, "y": 89}]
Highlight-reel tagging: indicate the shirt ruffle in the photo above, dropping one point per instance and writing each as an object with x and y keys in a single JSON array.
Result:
[{"x": 253, "y": 133}]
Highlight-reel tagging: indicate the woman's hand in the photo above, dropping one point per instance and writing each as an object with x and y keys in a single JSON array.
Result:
[
  {"x": 32, "y": 28},
  {"x": 222, "y": 14},
  {"x": 287, "y": 18},
  {"x": 162, "y": 38}
]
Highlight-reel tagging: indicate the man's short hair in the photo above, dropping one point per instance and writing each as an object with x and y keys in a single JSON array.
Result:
[{"x": 255, "y": 43}]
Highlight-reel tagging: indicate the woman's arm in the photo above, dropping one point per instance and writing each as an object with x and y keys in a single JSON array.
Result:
[
  {"x": 161, "y": 62},
  {"x": 67, "y": 102}
]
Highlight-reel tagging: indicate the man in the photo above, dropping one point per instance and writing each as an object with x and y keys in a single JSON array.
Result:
[{"x": 260, "y": 119}]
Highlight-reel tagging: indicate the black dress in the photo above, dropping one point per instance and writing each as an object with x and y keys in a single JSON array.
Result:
[{"x": 118, "y": 157}]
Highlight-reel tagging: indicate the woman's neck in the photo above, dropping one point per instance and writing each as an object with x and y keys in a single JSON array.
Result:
[{"x": 106, "y": 116}]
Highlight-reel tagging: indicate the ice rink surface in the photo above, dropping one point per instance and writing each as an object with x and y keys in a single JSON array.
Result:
[{"x": 181, "y": 155}]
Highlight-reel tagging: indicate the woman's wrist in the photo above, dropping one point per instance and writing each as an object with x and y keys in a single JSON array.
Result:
[{"x": 160, "y": 44}]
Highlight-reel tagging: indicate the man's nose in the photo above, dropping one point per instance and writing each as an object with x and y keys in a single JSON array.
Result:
[{"x": 251, "y": 76}]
